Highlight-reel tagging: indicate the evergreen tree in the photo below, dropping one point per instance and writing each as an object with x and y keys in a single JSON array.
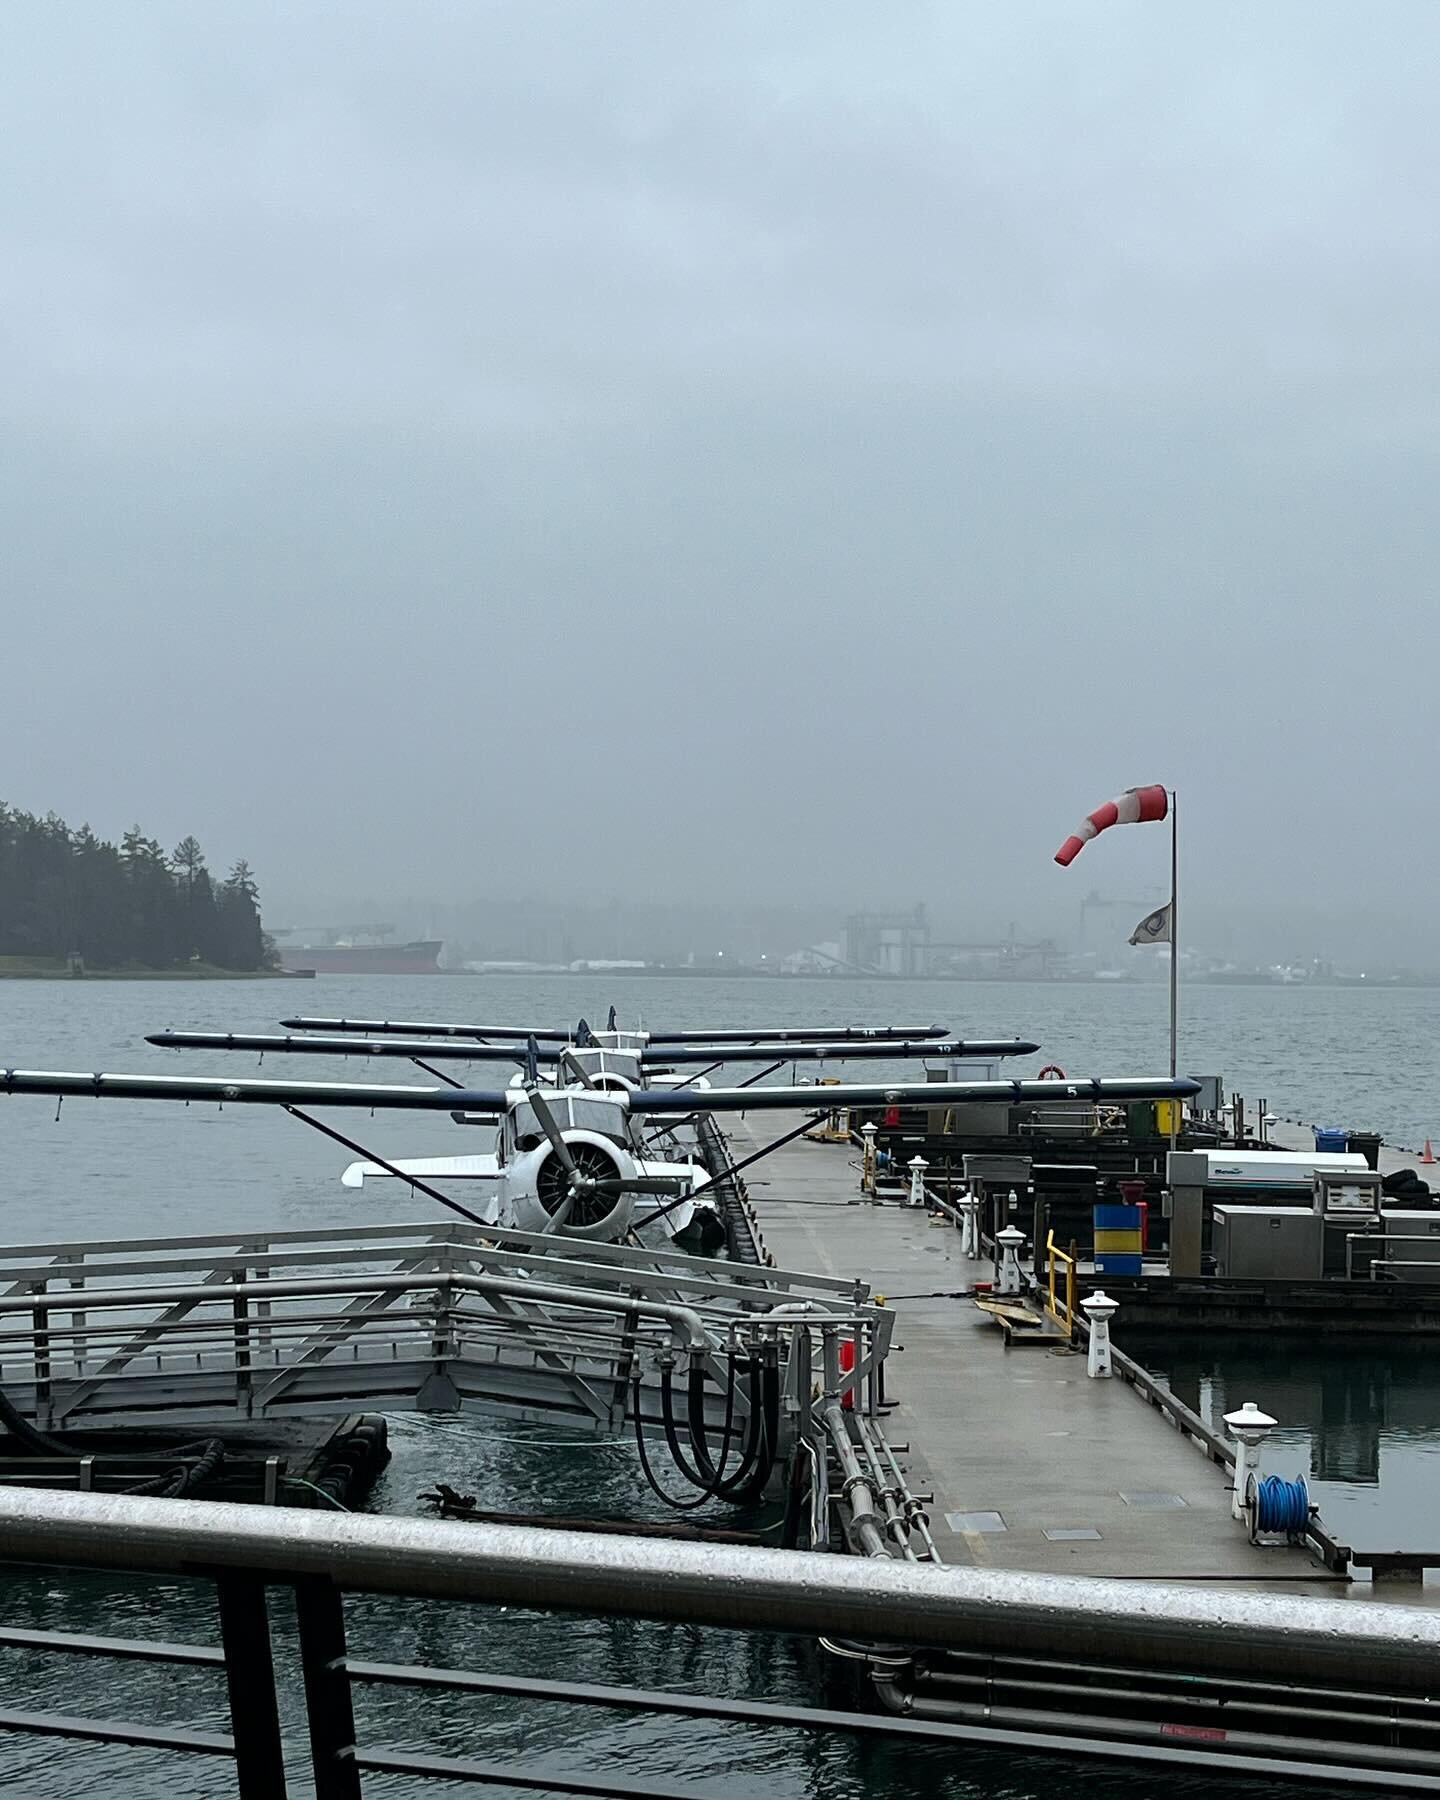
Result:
[{"x": 64, "y": 891}]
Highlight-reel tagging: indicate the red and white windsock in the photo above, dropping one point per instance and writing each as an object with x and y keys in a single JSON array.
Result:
[{"x": 1136, "y": 806}]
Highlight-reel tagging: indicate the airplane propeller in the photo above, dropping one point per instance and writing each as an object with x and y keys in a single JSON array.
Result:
[{"x": 579, "y": 1184}]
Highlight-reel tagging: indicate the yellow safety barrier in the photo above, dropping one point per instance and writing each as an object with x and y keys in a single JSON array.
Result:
[
  {"x": 1062, "y": 1316},
  {"x": 836, "y": 1126}
]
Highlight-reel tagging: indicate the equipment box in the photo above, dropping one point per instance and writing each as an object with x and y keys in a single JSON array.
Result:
[{"x": 1268, "y": 1243}]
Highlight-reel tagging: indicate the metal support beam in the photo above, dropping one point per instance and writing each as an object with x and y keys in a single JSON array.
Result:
[
  {"x": 328, "y": 1706},
  {"x": 250, "y": 1677}
]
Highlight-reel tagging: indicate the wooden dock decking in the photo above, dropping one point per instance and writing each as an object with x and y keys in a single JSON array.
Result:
[{"x": 1032, "y": 1465}]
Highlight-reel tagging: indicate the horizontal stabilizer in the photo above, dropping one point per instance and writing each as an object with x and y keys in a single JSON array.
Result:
[{"x": 449, "y": 1168}]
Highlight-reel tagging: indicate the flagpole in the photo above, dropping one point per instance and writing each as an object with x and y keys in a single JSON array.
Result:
[{"x": 1174, "y": 933}]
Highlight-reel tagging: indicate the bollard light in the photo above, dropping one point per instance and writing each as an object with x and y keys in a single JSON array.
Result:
[
  {"x": 1009, "y": 1241},
  {"x": 1249, "y": 1427},
  {"x": 1100, "y": 1309},
  {"x": 969, "y": 1205},
  {"x": 917, "y": 1167},
  {"x": 868, "y": 1158}
]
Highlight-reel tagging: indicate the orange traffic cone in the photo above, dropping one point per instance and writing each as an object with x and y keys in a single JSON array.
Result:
[{"x": 1429, "y": 1155}]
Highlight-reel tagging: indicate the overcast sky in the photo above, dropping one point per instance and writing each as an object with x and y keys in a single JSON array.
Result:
[{"x": 470, "y": 447}]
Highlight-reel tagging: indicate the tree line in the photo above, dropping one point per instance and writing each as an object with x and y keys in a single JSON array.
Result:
[{"x": 69, "y": 893}]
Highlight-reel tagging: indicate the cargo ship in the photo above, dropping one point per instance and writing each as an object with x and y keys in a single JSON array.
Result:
[{"x": 341, "y": 954}]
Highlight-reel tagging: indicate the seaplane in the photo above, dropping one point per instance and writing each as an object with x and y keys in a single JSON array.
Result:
[
  {"x": 568, "y": 1161},
  {"x": 590, "y": 1063}
]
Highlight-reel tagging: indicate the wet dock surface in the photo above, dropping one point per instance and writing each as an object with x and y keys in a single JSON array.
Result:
[{"x": 1032, "y": 1465}]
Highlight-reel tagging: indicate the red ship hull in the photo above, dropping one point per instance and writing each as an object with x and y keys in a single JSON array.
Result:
[{"x": 363, "y": 959}]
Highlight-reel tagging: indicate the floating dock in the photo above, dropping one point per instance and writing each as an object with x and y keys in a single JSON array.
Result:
[{"x": 1028, "y": 1463}]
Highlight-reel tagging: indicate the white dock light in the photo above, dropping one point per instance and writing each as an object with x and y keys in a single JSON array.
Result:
[
  {"x": 1100, "y": 1309},
  {"x": 917, "y": 1167},
  {"x": 868, "y": 1161},
  {"x": 1249, "y": 1427},
  {"x": 1008, "y": 1242}
]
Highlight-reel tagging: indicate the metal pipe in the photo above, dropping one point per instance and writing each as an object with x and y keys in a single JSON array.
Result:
[
  {"x": 1393, "y": 1649},
  {"x": 894, "y": 1518},
  {"x": 855, "y": 1488}
]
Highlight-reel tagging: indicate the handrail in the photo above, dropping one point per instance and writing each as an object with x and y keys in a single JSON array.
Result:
[
  {"x": 1169, "y": 1626},
  {"x": 1054, "y": 1255}
]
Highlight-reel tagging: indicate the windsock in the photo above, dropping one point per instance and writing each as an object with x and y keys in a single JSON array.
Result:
[{"x": 1136, "y": 806}]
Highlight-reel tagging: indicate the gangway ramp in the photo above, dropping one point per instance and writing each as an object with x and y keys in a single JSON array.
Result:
[{"x": 205, "y": 1330}]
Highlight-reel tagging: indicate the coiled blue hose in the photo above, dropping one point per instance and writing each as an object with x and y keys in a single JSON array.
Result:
[{"x": 1282, "y": 1505}]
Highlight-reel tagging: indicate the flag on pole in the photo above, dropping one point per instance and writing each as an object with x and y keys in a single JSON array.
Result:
[
  {"x": 1136, "y": 806},
  {"x": 1154, "y": 928}
]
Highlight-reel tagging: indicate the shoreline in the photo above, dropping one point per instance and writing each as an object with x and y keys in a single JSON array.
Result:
[{"x": 150, "y": 975}]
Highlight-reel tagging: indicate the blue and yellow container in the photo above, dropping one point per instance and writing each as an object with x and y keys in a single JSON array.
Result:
[{"x": 1117, "y": 1239}]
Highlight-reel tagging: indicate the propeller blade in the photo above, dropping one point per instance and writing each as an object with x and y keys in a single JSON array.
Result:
[
  {"x": 540, "y": 1106},
  {"x": 610, "y": 1021}
]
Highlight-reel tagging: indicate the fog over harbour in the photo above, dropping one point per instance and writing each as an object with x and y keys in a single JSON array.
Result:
[{"x": 732, "y": 457}]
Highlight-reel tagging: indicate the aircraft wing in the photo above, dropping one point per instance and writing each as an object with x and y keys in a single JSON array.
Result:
[
  {"x": 805, "y": 1034},
  {"x": 448, "y": 1168},
  {"x": 518, "y": 1034},
  {"x": 1094, "y": 1090},
  {"x": 840, "y": 1050},
  {"x": 446, "y": 1050},
  {"x": 217, "y": 1090}
]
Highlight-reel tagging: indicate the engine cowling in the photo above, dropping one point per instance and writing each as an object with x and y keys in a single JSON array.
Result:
[{"x": 540, "y": 1184}]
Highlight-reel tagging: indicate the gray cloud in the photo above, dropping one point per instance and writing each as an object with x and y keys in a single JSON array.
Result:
[{"x": 450, "y": 448}]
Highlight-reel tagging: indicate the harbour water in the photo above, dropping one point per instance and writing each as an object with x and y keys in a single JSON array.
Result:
[{"x": 1367, "y": 1426}]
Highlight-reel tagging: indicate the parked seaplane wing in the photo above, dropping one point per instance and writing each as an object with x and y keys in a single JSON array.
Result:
[
  {"x": 431, "y": 1168},
  {"x": 804, "y": 1034},
  {"x": 500, "y": 1034},
  {"x": 1096, "y": 1090},
  {"x": 646, "y": 1101},
  {"x": 449, "y": 1050},
  {"x": 373, "y": 1096}
]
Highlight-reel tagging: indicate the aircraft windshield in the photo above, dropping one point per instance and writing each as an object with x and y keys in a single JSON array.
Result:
[{"x": 571, "y": 1111}]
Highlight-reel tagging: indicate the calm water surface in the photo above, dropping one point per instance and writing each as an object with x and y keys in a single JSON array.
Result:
[{"x": 1366, "y": 1428}]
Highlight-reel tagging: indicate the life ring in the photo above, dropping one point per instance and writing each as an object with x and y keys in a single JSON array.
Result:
[{"x": 1051, "y": 1072}]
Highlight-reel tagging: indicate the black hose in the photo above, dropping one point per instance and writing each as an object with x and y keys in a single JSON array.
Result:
[
  {"x": 694, "y": 1475},
  {"x": 649, "y": 1473},
  {"x": 749, "y": 1482},
  {"x": 738, "y": 1486},
  {"x": 712, "y": 1470},
  {"x": 207, "y": 1454},
  {"x": 35, "y": 1441},
  {"x": 173, "y": 1484}
]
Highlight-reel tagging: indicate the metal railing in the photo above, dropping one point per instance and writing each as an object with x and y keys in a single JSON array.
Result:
[
  {"x": 1063, "y": 1312},
  {"x": 1420, "y": 1269},
  {"x": 201, "y": 1330},
  {"x": 1344, "y": 1649}
]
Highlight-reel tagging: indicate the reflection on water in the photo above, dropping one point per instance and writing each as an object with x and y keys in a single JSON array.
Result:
[
  {"x": 1364, "y": 1425},
  {"x": 1360, "y": 1420}
]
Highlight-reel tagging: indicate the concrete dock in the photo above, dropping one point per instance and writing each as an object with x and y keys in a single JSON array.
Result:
[{"x": 1031, "y": 1464}]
